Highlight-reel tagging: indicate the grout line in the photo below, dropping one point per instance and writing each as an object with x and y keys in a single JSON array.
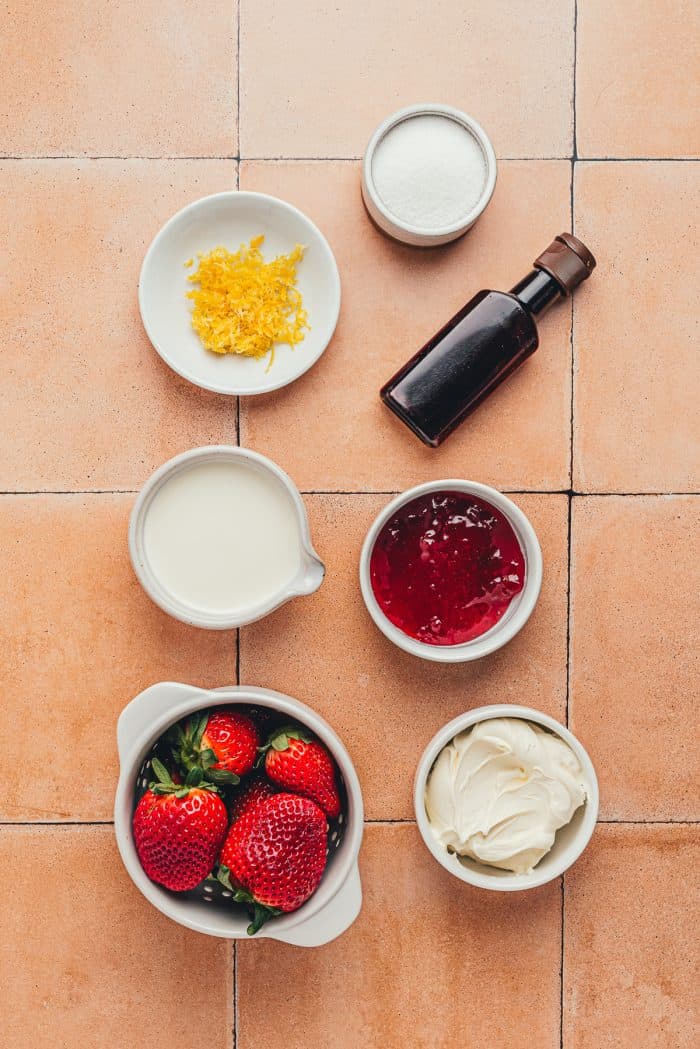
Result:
[
  {"x": 561, "y": 961},
  {"x": 398, "y": 491},
  {"x": 56, "y": 823},
  {"x": 389, "y": 823},
  {"x": 612, "y": 822},
  {"x": 628, "y": 495},
  {"x": 371, "y": 491},
  {"x": 238, "y": 81},
  {"x": 238, "y": 433},
  {"x": 571, "y": 457},
  {"x": 576, "y": 156},
  {"x": 651, "y": 823},
  {"x": 358, "y": 158},
  {"x": 575, "y": 142},
  {"x": 32, "y": 157},
  {"x": 517, "y": 491},
  {"x": 368, "y": 822},
  {"x": 78, "y": 491},
  {"x": 571, "y": 493},
  {"x": 568, "y": 610},
  {"x": 637, "y": 160},
  {"x": 238, "y": 655},
  {"x": 562, "y": 917},
  {"x": 235, "y": 994}
]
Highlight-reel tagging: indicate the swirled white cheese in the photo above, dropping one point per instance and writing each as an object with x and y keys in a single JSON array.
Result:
[{"x": 499, "y": 792}]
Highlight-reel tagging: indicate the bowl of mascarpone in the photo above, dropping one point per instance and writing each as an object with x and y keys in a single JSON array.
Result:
[{"x": 506, "y": 798}]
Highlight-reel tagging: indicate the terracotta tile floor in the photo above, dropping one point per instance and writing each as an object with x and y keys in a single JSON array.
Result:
[{"x": 113, "y": 116}]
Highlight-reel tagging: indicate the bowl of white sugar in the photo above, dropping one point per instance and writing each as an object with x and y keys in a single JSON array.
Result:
[{"x": 428, "y": 174}]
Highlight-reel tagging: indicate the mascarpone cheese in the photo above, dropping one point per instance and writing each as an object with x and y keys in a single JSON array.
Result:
[{"x": 500, "y": 791}]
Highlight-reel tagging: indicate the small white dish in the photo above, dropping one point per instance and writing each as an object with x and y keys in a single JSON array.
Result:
[
  {"x": 396, "y": 226},
  {"x": 229, "y": 220},
  {"x": 336, "y": 903},
  {"x": 570, "y": 840},
  {"x": 307, "y": 579},
  {"x": 517, "y": 613}
]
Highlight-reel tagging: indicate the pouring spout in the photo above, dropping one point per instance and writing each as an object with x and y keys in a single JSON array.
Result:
[{"x": 312, "y": 575}]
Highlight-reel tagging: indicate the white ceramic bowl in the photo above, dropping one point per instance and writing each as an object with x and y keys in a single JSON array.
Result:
[
  {"x": 311, "y": 568},
  {"x": 517, "y": 613},
  {"x": 393, "y": 225},
  {"x": 570, "y": 840},
  {"x": 337, "y": 901},
  {"x": 228, "y": 220}
]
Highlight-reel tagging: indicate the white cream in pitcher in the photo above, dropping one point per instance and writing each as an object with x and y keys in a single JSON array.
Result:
[{"x": 223, "y": 536}]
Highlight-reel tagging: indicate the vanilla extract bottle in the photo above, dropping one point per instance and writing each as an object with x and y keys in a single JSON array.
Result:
[{"x": 482, "y": 344}]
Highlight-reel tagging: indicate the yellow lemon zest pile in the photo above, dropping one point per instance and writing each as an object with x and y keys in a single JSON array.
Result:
[{"x": 244, "y": 304}]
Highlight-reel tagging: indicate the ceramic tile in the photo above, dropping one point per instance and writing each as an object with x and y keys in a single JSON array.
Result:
[
  {"x": 80, "y": 638},
  {"x": 419, "y": 967},
  {"x": 84, "y": 959},
  {"x": 129, "y": 78},
  {"x": 630, "y": 940},
  {"x": 86, "y": 402},
  {"x": 634, "y": 651},
  {"x": 317, "y": 79},
  {"x": 636, "y": 95},
  {"x": 384, "y": 703},
  {"x": 330, "y": 430},
  {"x": 636, "y": 382}
]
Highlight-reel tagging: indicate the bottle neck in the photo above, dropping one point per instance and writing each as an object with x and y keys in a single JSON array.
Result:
[{"x": 537, "y": 291}]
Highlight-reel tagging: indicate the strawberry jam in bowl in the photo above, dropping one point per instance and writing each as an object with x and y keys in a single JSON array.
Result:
[
  {"x": 451, "y": 570},
  {"x": 238, "y": 813}
]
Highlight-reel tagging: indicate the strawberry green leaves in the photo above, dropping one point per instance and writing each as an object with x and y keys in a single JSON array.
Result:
[
  {"x": 280, "y": 738},
  {"x": 164, "y": 783},
  {"x": 257, "y": 912},
  {"x": 189, "y": 753}
]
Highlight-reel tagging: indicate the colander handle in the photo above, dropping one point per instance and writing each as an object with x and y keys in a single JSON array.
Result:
[
  {"x": 146, "y": 708},
  {"x": 332, "y": 920}
]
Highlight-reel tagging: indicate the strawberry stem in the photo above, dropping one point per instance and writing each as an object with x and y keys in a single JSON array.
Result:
[
  {"x": 279, "y": 738},
  {"x": 260, "y": 915},
  {"x": 188, "y": 753},
  {"x": 163, "y": 784}
]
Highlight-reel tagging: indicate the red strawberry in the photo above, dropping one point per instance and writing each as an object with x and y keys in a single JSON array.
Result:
[
  {"x": 178, "y": 829},
  {"x": 274, "y": 856},
  {"x": 301, "y": 764},
  {"x": 223, "y": 743},
  {"x": 253, "y": 791}
]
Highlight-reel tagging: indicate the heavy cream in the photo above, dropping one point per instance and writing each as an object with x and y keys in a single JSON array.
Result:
[
  {"x": 223, "y": 536},
  {"x": 499, "y": 792}
]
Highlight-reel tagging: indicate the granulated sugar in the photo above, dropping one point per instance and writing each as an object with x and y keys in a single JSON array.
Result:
[{"x": 429, "y": 171}]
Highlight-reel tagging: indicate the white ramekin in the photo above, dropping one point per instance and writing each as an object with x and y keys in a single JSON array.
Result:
[
  {"x": 517, "y": 613},
  {"x": 570, "y": 840},
  {"x": 338, "y": 899},
  {"x": 395, "y": 227},
  {"x": 311, "y": 570}
]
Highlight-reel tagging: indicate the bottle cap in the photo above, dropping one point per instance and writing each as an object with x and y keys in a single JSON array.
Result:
[{"x": 568, "y": 260}]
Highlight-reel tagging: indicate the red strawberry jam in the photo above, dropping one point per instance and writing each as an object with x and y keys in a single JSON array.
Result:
[{"x": 445, "y": 567}]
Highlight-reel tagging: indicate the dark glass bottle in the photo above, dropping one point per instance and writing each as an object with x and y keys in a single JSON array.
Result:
[{"x": 482, "y": 344}]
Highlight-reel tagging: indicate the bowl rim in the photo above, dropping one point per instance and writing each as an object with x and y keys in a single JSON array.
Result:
[
  {"x": 505, "y": 882},
  {"x": 167, "y": 601},
  {"x": 502, "y": 631},
  {"x": 180, "y": 910},
  {"x": 198, "y": 205},
  {"x": 461, "y": 225}
]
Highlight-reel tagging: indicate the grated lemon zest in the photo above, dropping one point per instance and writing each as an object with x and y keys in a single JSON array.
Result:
[{"x": 245, "y": 305}]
